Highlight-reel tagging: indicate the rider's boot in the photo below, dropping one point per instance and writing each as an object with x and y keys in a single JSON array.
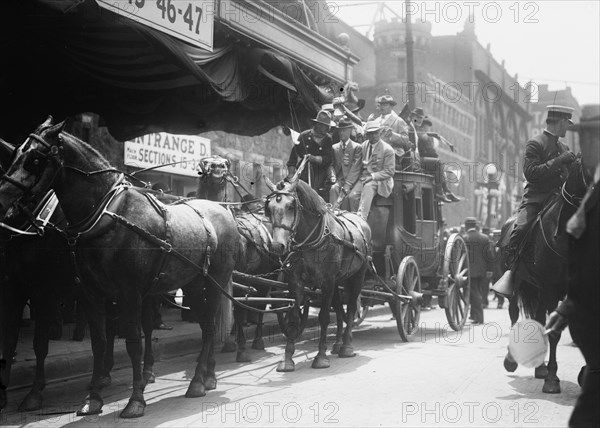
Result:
[
  {"x": 440, "y": 195},
  {"x": 449, "y": 194}
]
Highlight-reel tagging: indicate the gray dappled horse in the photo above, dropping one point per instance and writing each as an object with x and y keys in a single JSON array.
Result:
[
  {"x": 323, "y": 251},
  {"x": 254, "y": 256},
  {"x": 541, "y": 275},
  {"x": 127, "y": 245}
]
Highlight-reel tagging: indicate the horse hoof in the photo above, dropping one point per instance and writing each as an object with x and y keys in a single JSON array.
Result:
[
  {"x": 210, "y": 383},
  {"x": 243, "y": 357},
  {"x": 335, "y": 349},
  {"x": 551, "y": 386},
  {"x": 320, "y": 363},
  {"x": 580, "y": 376},
  {"x": 149, "y": 377},
  {"x": 134, "y": 409},
  {"x": 228, "y": 347},
  {"x": 286, "y": 366},
  {"x": 541, "y": 371},
  {"x": 258, "y": 344},
  {"x": 509, "y": 365},
  {"x": 346, "y": 352},
  {"x": 33, "y": 401},
  {"x": 92, "y": 405},
  {"x": 195, "y": 390}
]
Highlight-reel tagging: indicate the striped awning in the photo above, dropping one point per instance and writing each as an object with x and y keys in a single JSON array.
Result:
[{"x": 64, "y": 57}]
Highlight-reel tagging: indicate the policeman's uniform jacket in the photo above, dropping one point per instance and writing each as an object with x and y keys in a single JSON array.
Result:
[
  {"x": 481, "y": 253},
  {"x": 307, "y": 145},
  {"x": 542, "y": 172}
]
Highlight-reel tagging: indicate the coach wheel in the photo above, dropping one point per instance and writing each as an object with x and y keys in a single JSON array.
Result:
[
  {"x": 407, "y": 313},
  {"x": 456, "y": 274}
]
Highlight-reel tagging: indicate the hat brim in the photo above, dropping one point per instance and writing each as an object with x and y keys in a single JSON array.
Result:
[
  {"x": 392, "y": 103},
  {"x": 344, "y": 127},
  {"x": 323, "y": 123},
  {"x": 367, "y": 131}
]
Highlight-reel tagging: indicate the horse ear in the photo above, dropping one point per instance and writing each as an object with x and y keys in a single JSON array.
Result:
[
  {"x": 56, "y": 129},
  {"x": 270, "y": 184},
  {"x": 48, "y": 122},
  {"x": 293, "y": 185}
]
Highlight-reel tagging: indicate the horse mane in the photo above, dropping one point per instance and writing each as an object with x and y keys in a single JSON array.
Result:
[
  {"x": 310, "y": 199},
  {"x": 86, "y": 151}
]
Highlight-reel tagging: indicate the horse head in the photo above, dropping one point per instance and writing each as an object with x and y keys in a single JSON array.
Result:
[
  {"x": 282, "y": 208},
  {"x": 33, "y": 169},
  {"x": 213, "y": 171},
  {"x": 577, "y": 182}
]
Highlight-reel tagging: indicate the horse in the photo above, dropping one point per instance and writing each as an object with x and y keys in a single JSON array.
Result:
[
  {"x": 52, "y": 281},
  {"x": 323, "y": 252},
  {"x": 126, "y": 245},
  {"x": 254, "y": 256},
  {"x": 540, "y": 278}
]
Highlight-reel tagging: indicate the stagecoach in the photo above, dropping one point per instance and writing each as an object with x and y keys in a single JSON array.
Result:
[{"x": 412, "y": 260}]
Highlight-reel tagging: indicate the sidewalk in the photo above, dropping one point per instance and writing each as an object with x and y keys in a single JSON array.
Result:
[{"x": 68, "y": 359}]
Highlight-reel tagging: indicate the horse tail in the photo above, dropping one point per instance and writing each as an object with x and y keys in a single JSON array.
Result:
[{"x": 530, "y": 298}]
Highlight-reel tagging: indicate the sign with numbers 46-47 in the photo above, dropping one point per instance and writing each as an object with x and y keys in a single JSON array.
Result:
[{"x": 188, "y": 20}]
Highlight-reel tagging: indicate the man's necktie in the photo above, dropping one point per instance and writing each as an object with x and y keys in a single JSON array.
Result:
[{"x": 369, "y": 151}]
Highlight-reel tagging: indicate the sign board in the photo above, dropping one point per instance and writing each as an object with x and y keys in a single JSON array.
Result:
[
  {"x": 182, "y": 151},
  {"x": 189, "y": 20}
]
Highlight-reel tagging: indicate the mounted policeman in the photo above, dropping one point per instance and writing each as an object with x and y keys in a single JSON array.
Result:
[{"x": 545, "y": 167}]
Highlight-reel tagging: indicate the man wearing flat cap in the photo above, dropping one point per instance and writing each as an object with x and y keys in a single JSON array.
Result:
[
  {"x": 347, "y": 165},
  {"x": 377, "y": 174},
  {"x": 545, "y": 167},
  {"x": 394, "y": 129},
  {"x": 317, "y": 144}
]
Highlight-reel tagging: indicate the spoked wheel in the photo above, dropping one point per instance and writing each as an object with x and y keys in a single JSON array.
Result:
[
  {"x": 407, "y": 314},
  {"x": 361, "y": 312},
  {"x": 456, "y": 274}
]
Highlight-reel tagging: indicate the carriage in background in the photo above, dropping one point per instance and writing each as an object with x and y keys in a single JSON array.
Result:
[{"x": 412, "y": 258}]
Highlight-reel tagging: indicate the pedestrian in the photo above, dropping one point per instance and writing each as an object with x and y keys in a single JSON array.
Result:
[
  {"x": 377, "y": 172},
  {"x": 317, "y": 144},
  {"x": 347, "y": 166},
  {"x": 545, "y": 167},
  {"x": 481, "y": 256}
]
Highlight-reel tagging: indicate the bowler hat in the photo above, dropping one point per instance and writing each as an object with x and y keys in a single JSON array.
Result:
[
  {"x": 324, "y": 117},
  {"x": 372, "y": 126},
  {"x": 386, "y": 99},
  {"x": 470, "y": 222},
  {"x": 345, "y": 122}
]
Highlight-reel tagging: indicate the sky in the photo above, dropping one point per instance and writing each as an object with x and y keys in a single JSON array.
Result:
[{"x": 549, "y": 42}]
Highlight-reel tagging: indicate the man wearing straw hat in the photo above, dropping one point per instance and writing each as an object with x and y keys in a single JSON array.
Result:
[
  {"x": 347, "y": 165},
  {"x": 317, "y": 144},
  {"x": 378, "y": 165}
]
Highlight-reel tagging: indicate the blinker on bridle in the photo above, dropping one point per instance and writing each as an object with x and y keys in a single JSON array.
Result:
[{"x": 277, "y": 195}]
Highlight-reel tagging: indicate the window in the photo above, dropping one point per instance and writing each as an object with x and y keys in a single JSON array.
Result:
[{"x": 428, "y": 211}]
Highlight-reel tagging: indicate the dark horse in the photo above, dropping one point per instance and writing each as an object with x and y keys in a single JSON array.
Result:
[
  {"x": 127, "y": 245},
  {"x": 52, "y": 281},
  {"x": 254, "y": 256},
  {"x": 323, "y": 252},
  {"x": 541, "y": 276}
]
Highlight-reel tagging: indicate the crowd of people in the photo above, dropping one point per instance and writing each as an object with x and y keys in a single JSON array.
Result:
[{"x": 351, "y": 161}]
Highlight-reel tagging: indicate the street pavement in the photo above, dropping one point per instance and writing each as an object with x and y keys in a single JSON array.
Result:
[{"x": 438, "y": 378}]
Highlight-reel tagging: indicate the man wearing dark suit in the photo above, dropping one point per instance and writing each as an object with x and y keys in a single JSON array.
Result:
[
  {"x": 378, "y": 166},
  {"x": 481, "y": 258},
  {"x": 347, "y": 165},
  {"x": 545, "y": 168}
]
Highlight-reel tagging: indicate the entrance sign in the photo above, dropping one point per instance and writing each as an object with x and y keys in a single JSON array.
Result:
[
  {"x": 162, "y": 148},
  {"x": 189, "y": 20}
]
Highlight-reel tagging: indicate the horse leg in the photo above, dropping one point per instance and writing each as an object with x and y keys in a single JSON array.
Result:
[
  {"x": 41, "y": 336},
  {"x": 96, "y": 317},
  {"x": 131, "y": 309},
  {"x": 354, "y": 285},
  {"x": 541, "y": 371},
  {"x": 292, "y": 332},
  {"x": 339, "y": 318},
  {"x": 552, "y": 382},
  {"x": 239, "y": 315},
  {"x": 12, "y": 312},
  {"x": 204, "y": 376},
  {"x": 321, "y": 361},
  {"x": 258, "y": 343},
  {"x": 147, "y": 327},
  {"x": 229, "y": 344}
]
